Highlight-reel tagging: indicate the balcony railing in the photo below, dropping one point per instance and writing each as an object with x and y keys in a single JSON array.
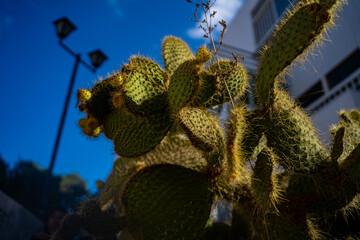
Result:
[{"x": 351, "y": 82}]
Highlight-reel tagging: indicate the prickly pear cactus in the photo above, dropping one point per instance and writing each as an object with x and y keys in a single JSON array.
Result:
[
  {"x": 181, "y": 198},
  {"x": 176, "y": 161}
]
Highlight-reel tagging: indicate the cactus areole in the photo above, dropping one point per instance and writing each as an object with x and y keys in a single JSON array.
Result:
[{"x": 176, "y": 161}]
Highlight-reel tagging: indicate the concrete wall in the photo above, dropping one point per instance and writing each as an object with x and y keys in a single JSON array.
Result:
[
  {"x": 240, "y": 33},
  {"x": 327, "y": 116},
  {"x": 16, "y": 222}
]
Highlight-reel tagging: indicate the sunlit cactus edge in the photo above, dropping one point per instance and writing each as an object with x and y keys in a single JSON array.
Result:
[{"x": 176, "y": 161}]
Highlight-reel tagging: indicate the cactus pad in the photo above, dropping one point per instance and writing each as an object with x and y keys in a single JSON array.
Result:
[
  {"x": 167, "y": 202},
  {"x": 266, "y": 191},
  {"x": 184, "y": 83},
  {"x": 175, "y": 52},
  {"x": 143, "y": 87},
  {"x": 172, "y": 150},
  {"x": 294, "y": 35},
  {"x": 291, "y": 135},
  {"x": 134, "y": 136},
  {"x": 100, "y": 105},
  {"x": 204, "y": 132},
  {"x": 236, "y": 78},
  {"x": 236, "y": 153}
]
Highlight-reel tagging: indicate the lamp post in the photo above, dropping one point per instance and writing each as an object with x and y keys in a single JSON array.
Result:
[{"x": 63, "y": 28}]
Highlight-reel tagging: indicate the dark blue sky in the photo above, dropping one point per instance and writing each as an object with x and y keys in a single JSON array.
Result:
[{"x": 35, "y": 71}]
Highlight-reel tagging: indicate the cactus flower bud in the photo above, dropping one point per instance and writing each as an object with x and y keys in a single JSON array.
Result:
[{"x": 83, "y": 95}]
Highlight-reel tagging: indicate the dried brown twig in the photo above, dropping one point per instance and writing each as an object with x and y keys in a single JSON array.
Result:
[{"x": 208, "y": 16}]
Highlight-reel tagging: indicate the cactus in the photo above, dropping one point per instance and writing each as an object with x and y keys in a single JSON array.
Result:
[
  {"x": 176, "y": 161},
  {"x": 180, "y": 197}
]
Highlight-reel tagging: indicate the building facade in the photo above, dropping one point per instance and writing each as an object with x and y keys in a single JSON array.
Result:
[{"x": 328, "y": 81}]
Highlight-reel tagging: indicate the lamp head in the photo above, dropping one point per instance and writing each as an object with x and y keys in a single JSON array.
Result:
[
  {"x": 64, "y": 27},
  {"x": 97, "y": 58}
]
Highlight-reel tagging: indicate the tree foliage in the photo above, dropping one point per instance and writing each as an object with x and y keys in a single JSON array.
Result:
[{"x": 24, "y": 183}]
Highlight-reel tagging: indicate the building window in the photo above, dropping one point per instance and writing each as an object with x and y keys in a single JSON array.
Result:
[
  {"x": 257, "y": 8},
  {"x": 344, "y": 69},
  {"x": 313, "y": 93},
  {"x": 263, "y": 22},
  {"x": 265, "y": 14},
  {"x": 281, "y": 5}
]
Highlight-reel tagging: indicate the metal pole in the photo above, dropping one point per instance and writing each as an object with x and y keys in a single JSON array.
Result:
[
  {"x": 64, "y": 114},
  {"x": 46, "y": 185}
]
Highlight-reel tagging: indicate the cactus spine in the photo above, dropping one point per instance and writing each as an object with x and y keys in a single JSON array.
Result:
[{"x": 282, "y": 182}]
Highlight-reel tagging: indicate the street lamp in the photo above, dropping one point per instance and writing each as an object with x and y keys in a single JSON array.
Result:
[
  {"x": 97, "y": 58},
  {"x": 63, "y": 28}
]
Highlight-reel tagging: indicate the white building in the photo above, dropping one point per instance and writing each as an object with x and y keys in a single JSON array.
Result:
[{"x": 326, "y": 84}]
